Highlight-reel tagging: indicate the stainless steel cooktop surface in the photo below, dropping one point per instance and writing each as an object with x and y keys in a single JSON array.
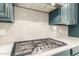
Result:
[{"x": 35, "y": 46}]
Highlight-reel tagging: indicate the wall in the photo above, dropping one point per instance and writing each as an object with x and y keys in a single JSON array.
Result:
[{"x": 29, "y": 25}]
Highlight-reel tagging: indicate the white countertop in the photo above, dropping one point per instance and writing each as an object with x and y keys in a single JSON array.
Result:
[{"x": 5, "y": 49}]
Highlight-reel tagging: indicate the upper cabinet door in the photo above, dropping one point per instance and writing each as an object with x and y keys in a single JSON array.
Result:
[
  {"x": 6, "y": 12},
  {"x": 68, "y": 14},
  {"x": 63, "y": 16},
  {"x": 1, "y": 7},
  {"x": 72, "y": 13}
]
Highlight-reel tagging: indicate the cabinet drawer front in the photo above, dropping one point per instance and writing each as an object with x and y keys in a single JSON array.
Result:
[
  {"x": 64, "y": 53},
  {"x": 75, "y": 50}
]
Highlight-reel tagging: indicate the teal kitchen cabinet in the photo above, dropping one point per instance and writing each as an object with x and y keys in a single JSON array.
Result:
[
  {"x": 64, "y": 53},
  {"x": 67, "y": 14},
  {"x": 73, "y": 31},
  {"x": 63, "y": 15},
  {"x": 6, "y": 12},
  {"x": 71, "y": 52},
  {"x": 74, "y": 51},
  {"x": 1, "y": 7},
  {"x": 54, "y": 17}
]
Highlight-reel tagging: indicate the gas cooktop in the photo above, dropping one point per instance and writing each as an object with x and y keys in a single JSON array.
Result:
[{"x": 31, "y": 47}]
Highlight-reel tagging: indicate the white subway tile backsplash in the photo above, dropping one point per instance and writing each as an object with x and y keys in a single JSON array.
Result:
[
  {"x": 29, "y": 24},
  {"x": 2, "y": 32}
]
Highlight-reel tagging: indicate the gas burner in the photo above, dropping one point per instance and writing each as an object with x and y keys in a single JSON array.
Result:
[{"x": 35, "y": 46}]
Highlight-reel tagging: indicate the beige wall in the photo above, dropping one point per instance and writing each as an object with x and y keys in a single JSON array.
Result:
[{"x": 28, "y": 25}]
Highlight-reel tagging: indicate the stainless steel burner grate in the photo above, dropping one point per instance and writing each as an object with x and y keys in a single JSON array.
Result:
[{"x": 35, "y": 46}]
